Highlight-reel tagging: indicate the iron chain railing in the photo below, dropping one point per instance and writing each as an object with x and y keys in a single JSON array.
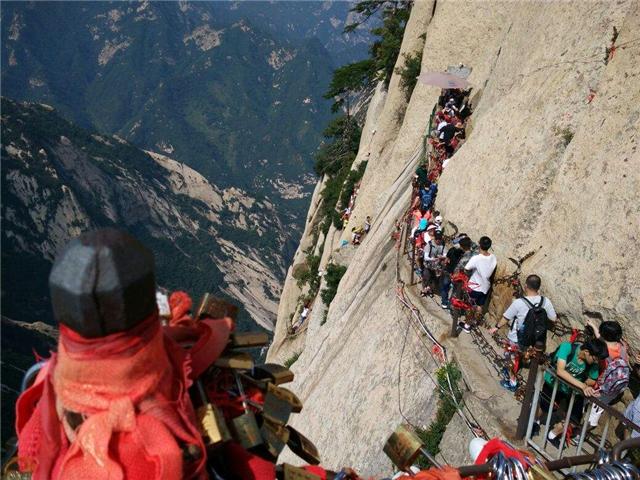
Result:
[{"x": 575, "y": 416}]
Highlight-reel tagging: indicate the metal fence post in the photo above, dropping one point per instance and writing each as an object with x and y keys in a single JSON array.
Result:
[
  {"x": 413, "y": 263},
  {"x": 527, "y": 401},
  {"x": 407, "y": 234}
]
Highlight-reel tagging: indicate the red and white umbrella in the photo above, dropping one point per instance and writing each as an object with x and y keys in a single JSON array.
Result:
[{"x": 443, "y": 80}]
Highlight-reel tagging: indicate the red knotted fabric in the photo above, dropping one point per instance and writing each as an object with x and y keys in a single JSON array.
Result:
[
  {"x": 180, "y": 304},
  {"x": 130, "y": 389}
]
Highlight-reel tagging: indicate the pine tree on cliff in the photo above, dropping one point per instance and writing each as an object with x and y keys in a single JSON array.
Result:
[{"x": 384, "y": 51}]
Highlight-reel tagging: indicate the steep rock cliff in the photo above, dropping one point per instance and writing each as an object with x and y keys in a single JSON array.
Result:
[{"x": 547, "y": 166}]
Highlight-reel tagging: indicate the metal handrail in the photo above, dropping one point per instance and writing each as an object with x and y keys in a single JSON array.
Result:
[
  {"x": 535, "y": 388},
  {"x": 607, "y": 408},
  {"x": 620, "y": 447}
]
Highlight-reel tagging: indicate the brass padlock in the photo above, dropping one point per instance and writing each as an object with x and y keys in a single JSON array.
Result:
[
  {"x": 286, "y": 395},
  {"x": 212, "y": 425},
  {"x": 11, "y": 469},
  {"x": 541, "y": 473},
  {"x": 278, "y": 374},
  {"x": 14, "y": 475},
  {"x": 403, "y": 447},
  {"x": 245, "y": 426},
  {"x": 249, "y": 339},
  {"x": 289, "y": 472},
  {"x": 275, "y": 409},
  {"x": 302, "y": 446},
  {"x": 214, "y": 307},
  {"x": 246, "y": 430},
  {"x": 210, "y": 419},
  {"x": 260, "y": 384},
  {"x": 237, "y": 361},
  {"x": 275, "y": 437}
]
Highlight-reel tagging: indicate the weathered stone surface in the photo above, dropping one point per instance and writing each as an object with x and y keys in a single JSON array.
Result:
[{"x": 546, "y": 170}]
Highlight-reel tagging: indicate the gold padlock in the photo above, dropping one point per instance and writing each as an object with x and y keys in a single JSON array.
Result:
[
  {"x": 249, "y": 339},
  {"x": 275, "y": 409},
  {"x": 14, "y": 475},
  {"x": 275, "y": 437},
  {"x": 212, "y": 425},
  {"x": 260, "y": 384},
  {"x": 214, "y": 307},
  {"x": 246, "y": 430},
  {"x": 11, "y": 469},
  {"x": 302, "y": 446},
  {"x": 289, "y": 472},
  {"x": 245, "y": 426},
  {"x": 403, "y": 447},
  {"x": 540, "y": 473},
  {"x": 237, "y": 361},
  {"x": 278, "y": 374},
  {"x": 286, "y": 395}
]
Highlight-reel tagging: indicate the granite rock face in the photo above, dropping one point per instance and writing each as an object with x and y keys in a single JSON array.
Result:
[
  {"x": 546, "y": 169},
  {"x": 550, "y": 165}
]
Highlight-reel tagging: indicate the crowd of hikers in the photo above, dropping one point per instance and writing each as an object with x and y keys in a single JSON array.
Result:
[
  {"x": 358, "y": 232},
  {"x": 461, "y": 272},
  {"x": 346, "y": 213}
]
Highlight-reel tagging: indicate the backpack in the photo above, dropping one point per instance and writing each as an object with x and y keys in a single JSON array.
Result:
[
  {"x": 615, "y": 377},
  {"x": 426, "y": 199},
  {"x": 534, "y": 328}
]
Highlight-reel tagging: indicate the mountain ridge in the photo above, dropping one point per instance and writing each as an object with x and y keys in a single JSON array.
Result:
[
  {"x": 59, "y": 180},
  {"x": 189, "y": 80},
  {"x": 232, "y": 91}
]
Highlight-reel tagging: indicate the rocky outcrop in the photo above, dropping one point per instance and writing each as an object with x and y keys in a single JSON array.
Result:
[{"x": 550, "y": 165}]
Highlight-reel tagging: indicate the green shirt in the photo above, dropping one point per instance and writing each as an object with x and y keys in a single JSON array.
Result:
[
  {"x": 576, "y": 367},
  {"x": 423, "y": 175}
]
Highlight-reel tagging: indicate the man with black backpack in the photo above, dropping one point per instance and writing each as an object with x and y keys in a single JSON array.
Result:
[{"x": 528, "y": 319}]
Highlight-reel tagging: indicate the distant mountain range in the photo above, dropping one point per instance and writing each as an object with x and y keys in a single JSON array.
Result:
[
  {"x": 59, "y": 180},
  {"x": 229, "y": 92},
  {"x": 232, "y": 89}
]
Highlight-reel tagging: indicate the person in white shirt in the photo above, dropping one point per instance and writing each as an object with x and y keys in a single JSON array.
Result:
[
  {"x": 480, "y": 269},
  {"x": 303, "y": 316},
  {"x": 429, "y": 234},
  {"x": 516, "y": 313}
]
